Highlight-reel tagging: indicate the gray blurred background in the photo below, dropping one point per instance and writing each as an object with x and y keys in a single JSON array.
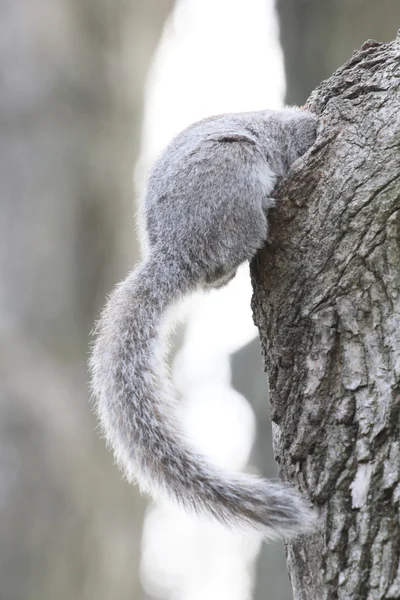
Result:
[{"x": 73, "y": 76}]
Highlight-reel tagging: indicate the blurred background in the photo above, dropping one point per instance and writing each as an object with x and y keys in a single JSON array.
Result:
[{"x": 91, "y": 90}]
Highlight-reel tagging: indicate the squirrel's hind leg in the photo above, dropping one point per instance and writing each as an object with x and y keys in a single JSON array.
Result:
[{"x": 219, "y": 278}]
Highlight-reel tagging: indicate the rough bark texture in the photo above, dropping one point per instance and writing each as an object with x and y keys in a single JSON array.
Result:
[{"x": 327, "y": 304}]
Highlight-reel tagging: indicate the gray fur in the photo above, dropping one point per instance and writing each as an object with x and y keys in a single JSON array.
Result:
[{"x": 204, "y": 214}]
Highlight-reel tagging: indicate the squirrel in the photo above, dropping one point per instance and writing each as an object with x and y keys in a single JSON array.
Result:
[{"x": 204, "y": 214}]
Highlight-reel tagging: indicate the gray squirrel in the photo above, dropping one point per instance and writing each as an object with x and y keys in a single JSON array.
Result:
[{"x": 204, "y": 214}]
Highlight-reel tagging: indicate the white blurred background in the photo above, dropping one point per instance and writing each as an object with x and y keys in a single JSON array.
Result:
[{"x": 203, "y": 67}]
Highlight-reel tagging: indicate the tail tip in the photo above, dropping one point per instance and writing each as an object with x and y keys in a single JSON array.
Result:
[{"x": 291, "y": 515}]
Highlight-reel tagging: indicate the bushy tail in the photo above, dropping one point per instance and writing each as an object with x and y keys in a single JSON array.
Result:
[{"x": 134, "y": 403}]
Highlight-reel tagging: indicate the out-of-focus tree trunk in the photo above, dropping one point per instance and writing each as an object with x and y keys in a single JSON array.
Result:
[
  {"x": 248, "y": 378},
  {"x": 72, "y": 75},
  {"x": 327, "y": 304},
  {"x": 317, "y": 37}
]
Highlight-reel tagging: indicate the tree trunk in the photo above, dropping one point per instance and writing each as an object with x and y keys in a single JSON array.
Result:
[
  {"x": 327, "y": 305},
  {"x": 317, "y": 37},
  {"x": 72, "y": 77}
]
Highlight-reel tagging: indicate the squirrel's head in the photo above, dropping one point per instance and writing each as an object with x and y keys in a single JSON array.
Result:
[{"x": 302, "y": 128}]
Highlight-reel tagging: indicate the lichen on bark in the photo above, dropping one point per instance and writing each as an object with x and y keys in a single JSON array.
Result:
[{"x": 327, "y": 305}]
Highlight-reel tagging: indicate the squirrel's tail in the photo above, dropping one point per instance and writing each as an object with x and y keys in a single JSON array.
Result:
[{"x": 134, "y": 403}]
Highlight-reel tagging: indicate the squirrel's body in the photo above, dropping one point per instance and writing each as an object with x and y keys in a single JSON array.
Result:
[{"x": 204, "y": 214}]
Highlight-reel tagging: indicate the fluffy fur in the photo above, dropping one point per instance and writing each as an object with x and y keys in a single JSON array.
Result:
[{"x": 204, "y": 214}]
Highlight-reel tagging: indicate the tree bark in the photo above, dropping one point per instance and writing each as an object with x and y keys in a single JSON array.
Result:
[{"x": 327, "y": 305}]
